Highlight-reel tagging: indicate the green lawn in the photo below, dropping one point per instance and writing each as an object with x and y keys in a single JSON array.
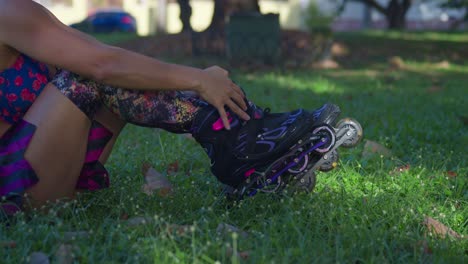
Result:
[{"x": 362, "y": 212}]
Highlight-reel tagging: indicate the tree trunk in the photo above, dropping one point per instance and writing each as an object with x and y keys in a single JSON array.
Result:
[
  {"x": 217, "y": 21},
  {"x": 185, "y": 14},
  {"x": 224, "y": 8},
  {"x": 396, "y": 13}
]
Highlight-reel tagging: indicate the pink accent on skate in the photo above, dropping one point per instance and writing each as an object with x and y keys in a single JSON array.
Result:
[
  {"x": 249, "y": 172},
  {"x": 218, "y": 125},
  {"x": 257, "y": 115}
]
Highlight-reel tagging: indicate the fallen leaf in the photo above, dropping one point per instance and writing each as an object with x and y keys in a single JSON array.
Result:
[
  {"x": 339, "y": 49},
  {"x": 434, "y": 89},
  {"x": 424, "y": 246},
  {"x": 124, "y": 216},
  {"x": 64, "y": 254},
  {"x": 38, "y": 258},
  {"x": 451, "y": 174},
  {"x": 244, "y": 255},
  {"x": 178, "y": 229},
  {"x": 326, "y": 65},
  {"x": 155, "y": 182},
  {"x": 443, "y": 64},
  {"x": 400, "y": 169},
  {"x": 396, "y": 62},
  {"x": 8, "y": 244},
  {"x": 173, "y": 167},
  {"x": 226, "y": 229},
  {"x": 439, "y": 229},
  {"x": 69, "y": 236},
  {"x": 139, "y": 220},
  {"x": 372, "y": 148},
  {"x": 464, "y": 119}
]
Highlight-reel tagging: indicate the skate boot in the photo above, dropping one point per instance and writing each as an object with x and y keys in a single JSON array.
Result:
[{"x": 245, "y": 156}]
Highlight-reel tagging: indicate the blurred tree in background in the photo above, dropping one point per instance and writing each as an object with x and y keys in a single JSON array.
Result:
[
  {"x": 457, "y": 4},
  {"x": 394, "y": 11},
  {"x": 185, "y": 14},
  {"x": 224, "y": 8}
]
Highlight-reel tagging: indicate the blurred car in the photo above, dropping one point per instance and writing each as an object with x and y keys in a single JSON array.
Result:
[{"x": 107, "y": 21}]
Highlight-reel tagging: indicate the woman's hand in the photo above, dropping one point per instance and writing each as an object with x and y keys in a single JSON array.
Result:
[{"x": 217, "y": 89}]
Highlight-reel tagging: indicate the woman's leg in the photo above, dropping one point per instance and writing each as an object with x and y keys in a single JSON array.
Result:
[{"x": 57, "y": 149}]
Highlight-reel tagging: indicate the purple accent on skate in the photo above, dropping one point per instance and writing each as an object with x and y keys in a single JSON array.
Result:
[
  {"x": 290, "y": 165},
  {"x": 271, "y": 144},
  {"x": 271, "y": 134}
]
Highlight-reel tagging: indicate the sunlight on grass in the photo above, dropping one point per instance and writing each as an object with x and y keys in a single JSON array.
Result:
[
  {"x": 419, "y": 36},
  {"x": 364, "y": 211}
]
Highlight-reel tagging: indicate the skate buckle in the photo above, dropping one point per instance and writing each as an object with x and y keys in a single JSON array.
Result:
[
  {"x": 249, "y": 172},
  {"x": 218, "y": 125}
]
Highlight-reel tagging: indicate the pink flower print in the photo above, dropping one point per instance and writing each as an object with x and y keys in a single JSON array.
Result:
[
  {"x": 12, "y": 97},
  {"x": 19, "y": 63},
  {"x": 26, "y": 95},
  {"x": 16, "y": 117},
  {"x": 36, "y": 85},
  {"x": 2, "y": 80},
  {"x": 41, "y": 78},
  {"x": 19, "y": 81},
  {"x": 5, "y": 112}
]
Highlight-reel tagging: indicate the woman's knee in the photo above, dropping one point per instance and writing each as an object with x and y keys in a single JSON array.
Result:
[{"x": 84, "y": 93}]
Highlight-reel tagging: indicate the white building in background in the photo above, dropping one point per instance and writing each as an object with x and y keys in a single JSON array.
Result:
[{"x": 163, "y": 15}]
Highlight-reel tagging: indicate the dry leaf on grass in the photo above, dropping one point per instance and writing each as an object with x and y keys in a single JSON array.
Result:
[
  {"x": 178, "y": 229},
  {"x": 327, "y": 64},
  {"x": 155, "y": 182},
  {"x": 437, "y": 228},
  {"x": 64, "y": 254},
  {"x": 173, "y": 167},
  {"x": 124, "y": 216},
  {"x": 8, "y": 244},
  {"x": 463, "y": 119},
  {"x": 226, "y": 229},
  {"x": 396, "y": 62},
  {"x": 452, "y": 174},
  {"x": 434, "y": 89},
  {"x": 424, "y": 246},
  {"x": 445, "y": 64},
  {"x": 372, "y": 148},
  {"x": 38, "y": 258},
  {"x": 244, "y": 255},
  {"x": 400, "y": 169}
]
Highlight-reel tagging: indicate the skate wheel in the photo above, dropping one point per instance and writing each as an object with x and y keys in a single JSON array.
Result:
[
  {"x": 306, "y": 183},
  {"x": 301, "y": 165},
  {"x": 353, "y": 129},
  {"x": 325, "y": 132},
  {"x": 331, "y": 161}
]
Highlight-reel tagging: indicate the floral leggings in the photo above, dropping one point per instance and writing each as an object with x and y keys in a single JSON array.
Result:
[{"x": 173, "y": 111}]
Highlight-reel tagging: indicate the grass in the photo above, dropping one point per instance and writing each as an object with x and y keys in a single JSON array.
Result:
[{"x": 359, "y": 213}]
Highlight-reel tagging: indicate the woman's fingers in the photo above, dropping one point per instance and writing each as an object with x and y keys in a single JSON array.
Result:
[
  {"x": 237, "y": 110},
  {"x": 224, "y": 118},
  {"x": 237, "y": 89}
]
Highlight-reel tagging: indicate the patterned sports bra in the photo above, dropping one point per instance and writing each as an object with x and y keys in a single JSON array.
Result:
[{"x": 20, "y": 84}]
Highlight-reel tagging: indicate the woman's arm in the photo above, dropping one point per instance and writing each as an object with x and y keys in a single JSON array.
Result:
[{"x": 33, "y": 30}]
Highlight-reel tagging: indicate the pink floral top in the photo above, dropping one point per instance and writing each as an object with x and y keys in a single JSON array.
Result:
[{"x": 19, "y": 86}]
